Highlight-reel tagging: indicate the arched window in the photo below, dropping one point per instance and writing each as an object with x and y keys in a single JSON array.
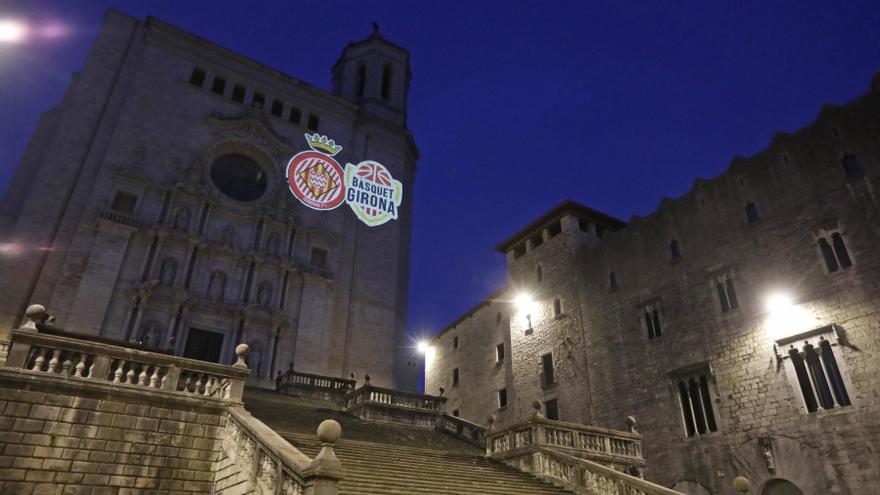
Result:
[
  {"x": 239, "y": 177},
  {"x": 360, "y": 81},
  {"x": 840, "y": 250},
  {"x": 675, "y": 249},
  {"x": 386, "y": 82},
  {"x": 540, "y": 274},
  {"x": 557, "y": 307}
]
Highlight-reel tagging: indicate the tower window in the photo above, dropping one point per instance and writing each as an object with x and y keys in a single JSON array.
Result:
[
  {"x": 314, "y": 120},
  {"x": 197, "y": 78},
  {"x": 277, "y": 108},
  {"x": 454, "y": 343},
  {"x": 319, "y": 257},
  {"x": 557, "y": 307},
  {"x": 536, "y": 240},
  {"x": 498, "y": 317},
  {"x": 818, "y": 376},
  {"x": 519, "y": 251},
  {"x": 835, "y": 253},
  {"x": 502, "y": 398},
  {"x": 551, "y": 410},
  {"x": 539, "y": 274},
  {"x": 697, "y": 412},
  {"x": 851, "y": 166},
  {"x": 499, "y": 353},
  {"x": 752, "y": 212},
  {"x": 218, "y": 85},
  {"x": 554, "y": 229},
  {"x": 548, "y": 375},
  {"x": 295, "y": 115},
  {"x": 675, "y": 249},
  {"x": 258, "y": 101},
  {"x": 456, "y": 413},
  {"x": 726, "y": 293},
  {"x": 238, "y": 92},
  {"x": 386, "y": 82},
  {"x": 612, "y": 280},
  {"x": 360, "y": 81},
  {"x": 455, "y": 377},
  {"x": 124, "y": 202},
  {"x": 652, "y": 322}
]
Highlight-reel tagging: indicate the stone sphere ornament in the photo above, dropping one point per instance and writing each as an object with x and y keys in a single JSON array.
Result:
[
  {"x": 741, "y": 484},
  {"x": 241, "y": 351},
  {"x": 329, "y": 431}
]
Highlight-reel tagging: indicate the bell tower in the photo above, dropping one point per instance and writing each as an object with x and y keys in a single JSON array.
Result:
[{"x": 375, "y": 74}]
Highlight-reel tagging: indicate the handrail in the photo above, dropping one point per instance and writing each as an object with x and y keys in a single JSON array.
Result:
[
  {"x": 380, "y": 395},
  {"x": 292, "y": 377},
  {"x": 83, "y": 359},
  {"x": 119, "y": 217},
  {"x": 316, "y": 270},
  {"x": 584, "y": 441},
  {"x": 587, "y": 477},
  {"x": 464, "y": 430}
]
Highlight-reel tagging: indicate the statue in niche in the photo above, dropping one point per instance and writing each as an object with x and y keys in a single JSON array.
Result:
[
  {"x": 264, "y": 295},
  {"x": 255, "y": 359},
  {"x": 150, "y": 336},
  {"x": 181, "y": 219},
  {"x": 217, "y": 286},
  {"x": 229, "y": 236},
  {"x": 272, "y": 245},
  {"x": 767, "y": 452},
  {"x": 168, "y": 272}
]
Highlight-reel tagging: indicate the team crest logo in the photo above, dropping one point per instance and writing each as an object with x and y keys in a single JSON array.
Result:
[
  {"x": 318, "y": 181},
  {"x": 315, "y": 177},
  {"x": 372, "y": 193}
]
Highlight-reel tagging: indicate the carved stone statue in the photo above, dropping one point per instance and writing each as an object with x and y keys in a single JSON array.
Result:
[
  {"x": 217, "y": 286},
  {"x": 264, "y": 295},
  {"x": 229, "y": 236},
  {"x": 181, "y": 219},
  {"x": 168, "y": 272},
  {"x": 150, "y": 337}
]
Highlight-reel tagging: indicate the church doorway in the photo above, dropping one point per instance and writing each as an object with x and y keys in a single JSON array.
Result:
[
  {"x": 203, "y": 345},
  {"x": 781, "y": 487}
]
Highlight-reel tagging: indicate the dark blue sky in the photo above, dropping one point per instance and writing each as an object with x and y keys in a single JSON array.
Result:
[{"x": 518, "y": 105}]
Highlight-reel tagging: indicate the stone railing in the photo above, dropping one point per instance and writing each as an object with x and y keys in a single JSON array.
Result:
[
  {"x": 314, "y": 386},
  {"x": 586, "y": 477},
  {"x": 394, "y": 406},
  {"x": 620, "y": 449},
  {"x": 118, "y": 217},
  {"x": 316, "y": 271},
  {"x": 94, "y": 361},
  {"x": 265, "y": 463},
  {"x": 471, "y": 433}
]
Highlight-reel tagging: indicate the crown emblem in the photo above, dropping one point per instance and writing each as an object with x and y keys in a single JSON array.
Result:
[{"x": 320, "y": 143}]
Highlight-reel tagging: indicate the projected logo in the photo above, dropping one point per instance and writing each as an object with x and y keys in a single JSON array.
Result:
[
  {"x": 315, "y": 177},
  {"x": 317, "y": 180},
  {"x": 372, "y": 193}
]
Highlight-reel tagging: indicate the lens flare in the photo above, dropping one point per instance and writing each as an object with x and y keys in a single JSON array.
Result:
[{"x": 12, "y": 31}]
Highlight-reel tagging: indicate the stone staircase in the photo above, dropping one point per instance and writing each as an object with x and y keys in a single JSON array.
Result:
[{"x": 389, "y": 459}]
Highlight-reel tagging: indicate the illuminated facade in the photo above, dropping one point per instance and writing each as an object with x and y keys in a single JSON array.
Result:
[
  {"x": 152, "y": 205},
  {"x": 739, "y": 324}
]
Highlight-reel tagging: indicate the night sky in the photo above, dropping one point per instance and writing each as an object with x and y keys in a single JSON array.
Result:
[{"x": 515, "y": 105}]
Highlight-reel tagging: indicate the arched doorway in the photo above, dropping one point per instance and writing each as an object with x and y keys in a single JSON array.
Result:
[{"x": 781, "y": 487}]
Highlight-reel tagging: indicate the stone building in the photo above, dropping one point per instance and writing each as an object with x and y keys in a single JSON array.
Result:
[
  {"x": 739, "y": 324},
  {"x": 152, "y": 205}
]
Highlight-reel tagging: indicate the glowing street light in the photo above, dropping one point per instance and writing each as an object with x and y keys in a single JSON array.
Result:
[
  {"x": 12, "y": 31},
  {"x": 785, "y": 318},
  {"x": 423, "y": 347}
]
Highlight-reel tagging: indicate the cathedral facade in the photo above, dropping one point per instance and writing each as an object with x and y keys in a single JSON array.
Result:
[
  {"x": 153, "y": 205},
  {"x": 739, "y": 324}
]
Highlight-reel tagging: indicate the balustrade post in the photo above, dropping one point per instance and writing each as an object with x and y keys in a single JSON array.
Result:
[
  {"x": 236, "y": 385},
  {"x": 18, "y": 353},
  {"x": 171, "y": 378},
  {"x": 325, "y": 470},
  {"x": 100, "y": 367}
]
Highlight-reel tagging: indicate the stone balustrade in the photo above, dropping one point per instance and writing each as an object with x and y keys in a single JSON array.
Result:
[
  {"x": 620, "y": 449},
  {"x": 585, "y": 477},
  {"x": 87, "y": 360},
  {"x": 255, "y": 459},
  {"x": 315, "y": 270},
  {"x": 314, "y": 386},
  {"x": 385, "y": 404},
  {"x": 471, "y": 433},
  {"x": 119, "y": 217}
]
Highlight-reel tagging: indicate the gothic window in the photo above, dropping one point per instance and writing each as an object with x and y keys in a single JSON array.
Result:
[
  {"x": 239, "y": 177},
  {"x": 124, "y": 202},
  {"x": 652, "y": 321},
  {"x": 536, "y": 240},
  {"x": 551, "y": 410},
  {"x": 726, "y": 293},
  {"x": 539, "y": 274},
  {"x": 519, "y": 251},
  {"x": 258, "y": 100},
  {"x": 238, "y": 92},
  {"x": 557, "y": 307},
  {"x": 455, "y": 377},
  {"x": 752, "y": 212},
  {"x": 360, "y": 81},
  {"x": 295, "y": 115},
  {"x": 835, "y": 253},
  {"x": 314, "y": 121},
  {"x": 554, "y": 229},
  {"x": 675, "y": 249},
  {"x": 697, "y": 411},
  {"x": 197, "y": 78},
  {"x": 168, "y": 271},
  {"x": 218, "y": 85},
  {"x": 319, "y": 257},
  {"x": 502, "y": 398},
  {"x": 818, "y": 375},
  {"x": 386, "y": 82},
  {"x": 548, "y": 374},
  {"x": 277, "y": 108},
  {"x": 612, "y": 280},
  {"x": 851, "y": 166},
  {"x": 499, "y": 353},
  {"x": 217, "y": 286}
]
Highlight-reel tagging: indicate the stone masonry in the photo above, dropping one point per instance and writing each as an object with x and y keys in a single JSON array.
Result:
[{"x": 754, "y": 231}]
